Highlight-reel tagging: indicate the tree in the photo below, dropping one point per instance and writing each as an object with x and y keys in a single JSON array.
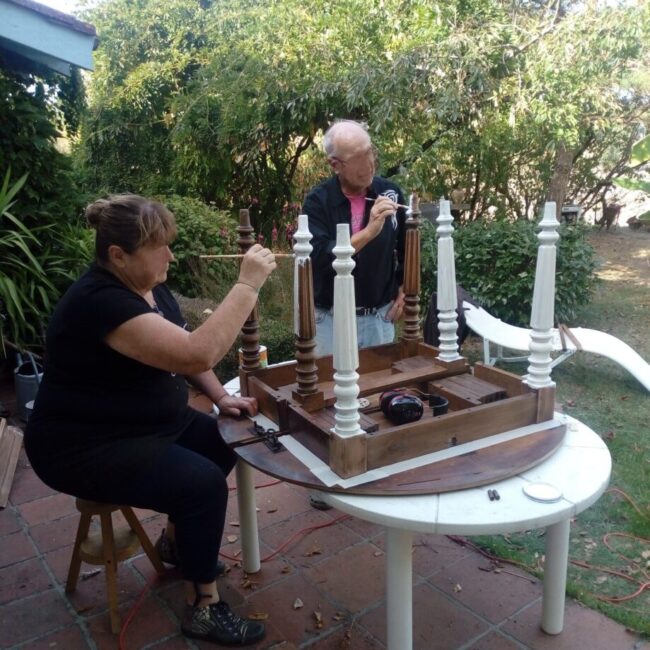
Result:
[{"x": 513, "y": 101}]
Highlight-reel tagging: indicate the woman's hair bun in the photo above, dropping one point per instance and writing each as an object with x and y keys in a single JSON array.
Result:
[{"x": 95, "y": 212}]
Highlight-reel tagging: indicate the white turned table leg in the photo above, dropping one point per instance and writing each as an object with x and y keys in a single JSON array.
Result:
[
  {"x": 555, "y": 569},
  {"x": 399, "y": 589},
  {"x": 250, "y": 545}
]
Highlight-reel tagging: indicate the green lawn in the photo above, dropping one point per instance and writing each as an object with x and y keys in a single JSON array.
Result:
[{"x": 612, "y": 537}]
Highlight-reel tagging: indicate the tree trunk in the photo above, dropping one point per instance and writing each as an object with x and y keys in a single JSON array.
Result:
[{"x": 560, "y": 179}]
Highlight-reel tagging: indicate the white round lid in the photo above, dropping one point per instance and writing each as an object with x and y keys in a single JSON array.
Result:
[{"x": 543, "y": 492}]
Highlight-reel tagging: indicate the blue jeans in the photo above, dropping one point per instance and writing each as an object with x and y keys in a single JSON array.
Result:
[{"x": 372, "y": 329}]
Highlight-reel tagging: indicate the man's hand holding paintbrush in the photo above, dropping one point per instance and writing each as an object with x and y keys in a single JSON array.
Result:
[{"x": 382, "y": 208}]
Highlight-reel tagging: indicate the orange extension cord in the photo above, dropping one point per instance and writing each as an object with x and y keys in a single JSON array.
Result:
[{"x": 643, "y": 584}]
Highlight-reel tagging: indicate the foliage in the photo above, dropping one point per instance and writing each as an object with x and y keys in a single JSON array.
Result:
[
  {"x": 227, "y": 100},
  {"x": 44, "y": 243},
  {"x": 24, "y": 288},
  {"x": 280, "y": 343},
  {"x": 495, "y": 262},
  {"x": 35, "y": 266},
  {"x": 202, "y": 230},
  {"x": 28, "y": 114},
  {"x": 611, "y": 537},
  {"x": 640, "y": 157}
]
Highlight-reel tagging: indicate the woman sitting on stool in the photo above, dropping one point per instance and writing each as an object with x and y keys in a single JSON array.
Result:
[{"x": 111, "y": 421}]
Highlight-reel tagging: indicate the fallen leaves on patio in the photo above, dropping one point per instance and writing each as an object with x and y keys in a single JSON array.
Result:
[
  {"x": 298, "y": 604},
  {"x": 315, "y": 550}
]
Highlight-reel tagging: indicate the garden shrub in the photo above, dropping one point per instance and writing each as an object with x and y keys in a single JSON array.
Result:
[
  {"x": 277, "y": 335},
  {"x": 279, "y": 339},
  {"x": 202, "y": 230},
  {"x": 495, "y": 262},
  {"x": 44, "y": 243}
]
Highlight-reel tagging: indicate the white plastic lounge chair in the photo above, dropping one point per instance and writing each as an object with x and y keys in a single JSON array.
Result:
[{"x": 566, "y": 341}]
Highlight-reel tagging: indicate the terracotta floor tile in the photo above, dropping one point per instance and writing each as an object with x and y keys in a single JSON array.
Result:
[
  {"x": 583, "y": 628},
  {"x": 431, "y": 553},
  {"x": 271, "y": 572},
  {"x": 438, "y": 622},
  {"x": 9, "y": 521},
  {"x": 31, "y": 618},
  {"x": 47, "y": 508},
  {"x": 297, "y": 624},
  {"x": 172, "y": 594},
  {"x": 23, "y": 579},
  {"x": 177, "y": 642},
  {"x": 15, "y": 547},
  {"x": 53, "y": 534},
  {"x": 26, "y": 486},
  {"x": 89, "y": 597},
  {"x": 142, "y": 564},
  {"x": 495, "y": 596},
  {"x": 494, "y": 641},
  {"x": 69, "y": 638},
  {"x": 150, "y": 622},
  {"x": 313, "y": 547},
  {"x": 59, "y": 561},
  {"x": 352, "y": 637},
  {"x": 353, "y": 578},
  {"x": 275, "y": 504}
]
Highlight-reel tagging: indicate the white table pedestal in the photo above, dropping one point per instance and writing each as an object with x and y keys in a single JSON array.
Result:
[
  {"x": 555, "y": 568},
  {"x": 250, "y": 544}
]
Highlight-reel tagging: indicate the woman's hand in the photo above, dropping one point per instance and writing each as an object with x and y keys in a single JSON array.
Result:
[
  {"x": 256, "y": 266},
  {"x": 234, "y": 405}
]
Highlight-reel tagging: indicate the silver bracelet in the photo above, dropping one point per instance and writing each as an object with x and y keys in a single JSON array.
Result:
[{"x": 255, "y": 289}]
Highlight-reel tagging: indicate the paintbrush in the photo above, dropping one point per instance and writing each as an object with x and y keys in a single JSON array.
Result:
[
  {"x": 399, "y": 205},
  {"x": 238, "y": 256}
]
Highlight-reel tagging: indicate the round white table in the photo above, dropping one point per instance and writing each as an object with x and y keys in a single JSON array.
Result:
[{"x": 579, "y": 470}]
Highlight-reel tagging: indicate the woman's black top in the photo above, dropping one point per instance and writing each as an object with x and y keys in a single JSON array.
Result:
[{"x": 95, "y": 405}]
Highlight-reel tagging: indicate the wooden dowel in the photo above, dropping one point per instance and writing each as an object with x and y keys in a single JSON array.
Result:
[
  {"x": 238, "y": 256},
  {"x": 399, "y": 205}
]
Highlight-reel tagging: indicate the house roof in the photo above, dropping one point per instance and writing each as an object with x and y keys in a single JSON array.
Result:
[{"x": 33, "y": 35}]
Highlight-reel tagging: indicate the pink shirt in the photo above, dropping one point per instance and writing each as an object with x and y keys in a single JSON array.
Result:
[{"x": 358, "y": 209}]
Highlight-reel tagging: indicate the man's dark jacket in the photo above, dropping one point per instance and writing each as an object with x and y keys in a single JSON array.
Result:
[{"x": 379, "y": 265}]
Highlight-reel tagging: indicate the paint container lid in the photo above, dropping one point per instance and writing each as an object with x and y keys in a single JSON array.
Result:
[{"x": 542, "y": 492}]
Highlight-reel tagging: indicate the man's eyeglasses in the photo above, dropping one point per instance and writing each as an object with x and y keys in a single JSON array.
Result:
[{"x": 368, "y": 154}]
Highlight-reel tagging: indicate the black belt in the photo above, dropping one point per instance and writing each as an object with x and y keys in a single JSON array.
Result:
[
  {"x": 359, "y": 311},
  {"x": 367, "y": 311}
]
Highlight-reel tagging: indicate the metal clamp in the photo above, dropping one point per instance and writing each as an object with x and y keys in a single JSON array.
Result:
[{"x": 269, "y": 437}]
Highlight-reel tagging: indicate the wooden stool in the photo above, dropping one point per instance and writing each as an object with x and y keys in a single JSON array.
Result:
[{"x": 108, "y": 547}]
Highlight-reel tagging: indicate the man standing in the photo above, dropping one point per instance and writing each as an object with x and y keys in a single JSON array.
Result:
[{"x": 369, "y": 204}]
